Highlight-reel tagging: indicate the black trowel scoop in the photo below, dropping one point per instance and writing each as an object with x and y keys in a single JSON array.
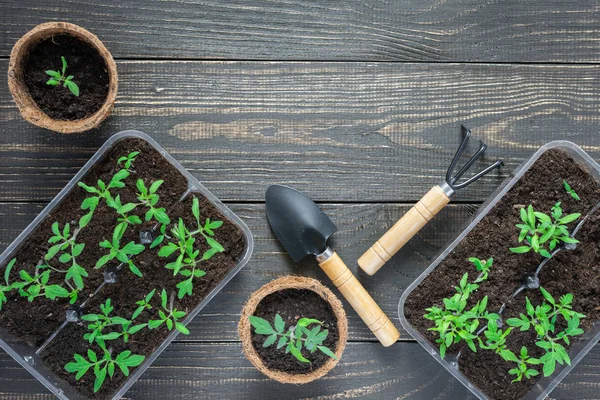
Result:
[{"x": 303, "y": 229}]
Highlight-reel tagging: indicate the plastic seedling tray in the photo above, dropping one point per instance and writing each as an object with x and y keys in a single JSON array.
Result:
[
  {"x": 30, "y": 357},
  {"x": 577, "y": 350}
]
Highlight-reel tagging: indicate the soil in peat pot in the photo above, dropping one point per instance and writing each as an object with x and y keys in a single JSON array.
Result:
[
  {"x": 568, "y": 272},
  {"x": 32, "y": 323},
  {"x": 293, "y": 304},
  {"x": 83, "y": 62}
]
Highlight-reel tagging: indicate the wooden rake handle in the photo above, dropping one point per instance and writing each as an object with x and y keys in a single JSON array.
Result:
[
  {"x": 403, "y": 230},
  {"x": 359, "y": 299}
]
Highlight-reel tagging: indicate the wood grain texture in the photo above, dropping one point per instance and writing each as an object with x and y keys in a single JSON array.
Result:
[
  {"x": 360, "y": 300},
  {"x": 359, "y": 226},
  {"x": 366, "y": 131},
  {"x": 412, "y": 30},
  {"x": 366, "y": 370},
  {"x": 361, "y": 132},
  {"x": 403, "y": 230}
]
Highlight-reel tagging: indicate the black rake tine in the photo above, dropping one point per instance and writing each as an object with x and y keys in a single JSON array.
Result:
[
  {"x": 460, "y": 173},
  {"x": 458, "y": 153},
  {"x": 495, "y": 165}
]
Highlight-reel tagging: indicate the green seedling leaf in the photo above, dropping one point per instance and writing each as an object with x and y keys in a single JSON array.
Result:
[
  {"x": 296, "y": 353},
  {"x": 72, "y": 87},
  {"x": 59, "y": 77},
  {"x": 569, "y": 190},
  {"x": 569, "y": 218},
  {"x": 327, "y": 352},
  {"x": 196, "y": 209},
  {"x": 270, "y": 340},
  {"x": 279, "y": 323},
  {"x": 520, "y": 249},
  {"x": 304, "y": 322},
  {"x": 261, "y": 326},
  {"x": 9, "y": 267},
  {"x": 181, "y": 328},
  {"x": 55, "y": 291},
  {"x": 154, "y": 187},
  {"x": 214, "y": 244}
]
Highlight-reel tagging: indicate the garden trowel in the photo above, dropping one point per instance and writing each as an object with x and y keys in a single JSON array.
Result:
[{"x": 303, "y": 229}]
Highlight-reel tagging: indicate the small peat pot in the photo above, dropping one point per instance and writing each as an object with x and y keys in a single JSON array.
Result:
[
  {"x": 62, "y": 78},
  {"x": 117, "y": 265},
  {"x": 513, "y": 303},
  {"x": 293, "y": 330}
]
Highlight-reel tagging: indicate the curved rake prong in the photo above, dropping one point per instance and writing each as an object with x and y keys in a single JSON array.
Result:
[
  {"x": 452, "y": 179},
  {"x": 460, "y": 173},
  {"x": 472, "y": 179},
  {"x": 459, "y": 152}
]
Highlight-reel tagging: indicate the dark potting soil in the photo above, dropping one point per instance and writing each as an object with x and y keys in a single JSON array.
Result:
[
  {"x": 293, "y": 304},
  {"x": 567, "y": 272},
  {"x": 33, "y": 323},
  {"x": 83, "y": 62}
]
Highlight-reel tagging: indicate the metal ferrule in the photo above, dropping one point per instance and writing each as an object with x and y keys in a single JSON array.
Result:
[
  {"x": 325, "y": 255},
  {"x": 448, "y": 191}
]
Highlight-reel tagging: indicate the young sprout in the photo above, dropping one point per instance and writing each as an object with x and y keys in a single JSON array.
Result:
[
  {"x": 4, "y": 289},
  {"x": 455, "y": 323},
  {"x": 495, "y": 338},
  {"x": 149, "y": 198},
  {"x": 64, "y": 242},
  {"x": 99, "y": 322},
  {"x": 58, "y": 77},
  {"x": 123, "y": 254},
  {"x": 100, "y": 192},
  {"x": 571, "y": 191},
  {"x": 295, "y": 337},
  {"x": 171, "y": 319},
  {"x": 523, "y": 361},
  {"x": 188, "y": 259},
  {"x": 496, "y": 342},
  {"x": 543, "y": 319},
  {"x": 103, "y": 366},
  {"x": 122, "y": 210},
  {"x": 143, "y": 304},
  {"x": 483, "y": 266},
  {"x": 29, "y": 286},
  {"x": 128, "y": 160},
  {"x": 160, "y": 238},
  {"x": 37, "y": 286},
  {"x": 540, "y": 230}
]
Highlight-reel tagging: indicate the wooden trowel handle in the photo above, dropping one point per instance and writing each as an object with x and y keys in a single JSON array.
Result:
[
  {"x": 403, "y": 230},
  {"x": 360, "y": 300}
]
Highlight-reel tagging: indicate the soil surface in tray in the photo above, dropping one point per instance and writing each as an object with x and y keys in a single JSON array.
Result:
[
  {"x": 568, "y": 272},
  {"x": 83, "y": 62},
  {"x": 33, "y": 323},
  {"x": 293, "y": 304}
]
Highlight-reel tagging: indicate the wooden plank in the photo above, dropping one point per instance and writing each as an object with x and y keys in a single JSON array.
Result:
[
  {"x": 366, "y": 370},
  {"x": 359, "y": 227},
  {"x": 376, "y": 132},
  {"x": 412, "y": 30}
]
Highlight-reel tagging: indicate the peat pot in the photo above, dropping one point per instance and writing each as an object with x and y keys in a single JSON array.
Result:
[
  {"x": 62, "y": 78},
  {"x": 293, "y": 298}
]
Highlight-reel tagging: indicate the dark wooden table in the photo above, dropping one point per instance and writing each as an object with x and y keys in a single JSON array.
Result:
[{"x": 358, "y": 104}]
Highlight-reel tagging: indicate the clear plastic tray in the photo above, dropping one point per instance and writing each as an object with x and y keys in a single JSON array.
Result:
[
  {"x": 578, "y": 350},
  {"x": 27, "y": 356}
]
